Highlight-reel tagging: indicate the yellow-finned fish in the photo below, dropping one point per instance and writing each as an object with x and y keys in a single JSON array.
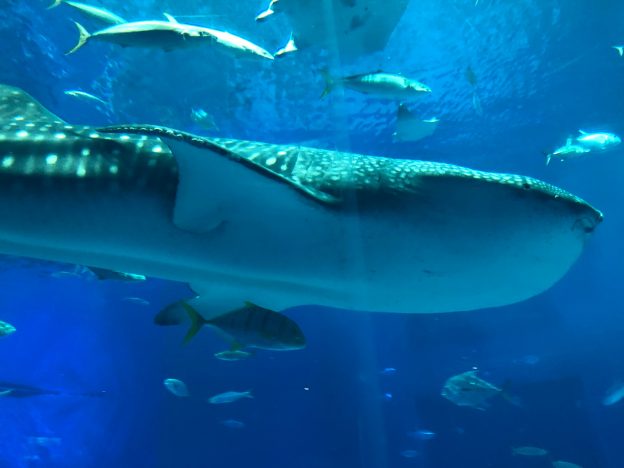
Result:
[
  {"x": 249, "y": 326},
  {"x": 98, "y": 13}
]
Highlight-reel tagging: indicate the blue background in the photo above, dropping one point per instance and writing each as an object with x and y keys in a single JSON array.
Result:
[{"x": 544, "y": 70}]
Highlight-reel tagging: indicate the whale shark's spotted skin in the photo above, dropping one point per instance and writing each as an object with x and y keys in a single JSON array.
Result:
[{"x": 279, "y": 225}]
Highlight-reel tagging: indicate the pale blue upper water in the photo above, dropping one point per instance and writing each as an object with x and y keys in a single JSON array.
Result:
[{"x": 544, "y": 69}]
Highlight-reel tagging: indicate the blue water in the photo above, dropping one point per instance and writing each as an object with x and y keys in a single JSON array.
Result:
[{"x": 544, "y": 69}]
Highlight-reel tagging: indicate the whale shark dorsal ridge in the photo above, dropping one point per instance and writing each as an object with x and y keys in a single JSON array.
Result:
[
  {"x": 326, "y": 175},
  {"x": 285, "y": 163}
]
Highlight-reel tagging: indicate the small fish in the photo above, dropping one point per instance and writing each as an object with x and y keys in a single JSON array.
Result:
[
  {"x": 84, "y": 96},
  {"x": 469, "y": 390},
  {"x": 476, "y": 104},
  {"x": 288, "y": 48},
  {"x": 470, "y": 76},
  {"x": 250, "y": 326},
  {"x": 232, "y": 355},
  {"x": 268, "y": 12},
  {"x": 379, "y": 84},
  {"x": 565, "y": 464},
  {"x": 176, "y": 387},
  {"x": 388, "y": 396},
  {"x": 408, "y": 127},
  {"x": 203, "y": 118},
  {"x": 422, "y": 434},
  {"x": 614, "y": 394},
  {"x": 101, "y": 14},
  {"x": 620, "y": 50},
  {"x": 233, "y": 424},
  {"x": 104, "y": 274},
  {"x": 6, "y": 392},
  {"x": 600, "y": 141},
  {"x": 409, "y": 453},
  {"x": 136, "y": 300},
  {"x": 529, "y": 451},
  {"x": 229, "y": 397},
  {"x": 6, "y": 329},
  {"x": 567, "y": 151},
  {"x": 388, "y": 371}
]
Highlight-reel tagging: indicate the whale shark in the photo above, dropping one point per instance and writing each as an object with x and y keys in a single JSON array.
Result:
[{"x": 279, "y": 225}]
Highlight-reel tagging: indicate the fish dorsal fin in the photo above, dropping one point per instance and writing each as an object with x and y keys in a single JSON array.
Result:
[
  {"x": 17, "y": 106},
  {"x": 306, "y": 169},
  {"x": 568, "y": 141},
  {"x": 403, "y": 111},
  {"x": 170, "y": 18}
]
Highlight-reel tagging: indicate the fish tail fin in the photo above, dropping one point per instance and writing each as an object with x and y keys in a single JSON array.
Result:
[
  {"x": 55, "y": 4},
  {"x": 197, "y": 321},
  {"x": 620, "y": 50},
  {"x": 82, "y": 40},
  {"x": 329, "y": 82},
  {"x": 248, "y": 394}
]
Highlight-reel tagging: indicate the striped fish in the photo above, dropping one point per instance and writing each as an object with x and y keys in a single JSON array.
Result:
[{"x": 249, "y": 326}]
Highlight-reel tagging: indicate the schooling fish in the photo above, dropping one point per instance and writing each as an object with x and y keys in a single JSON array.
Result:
[
  {"x": 600, "y": 141},
  {"x": 232, "y": 355},
  {"x": 273, "y": 224},
  {"x": 104, "y": 274},
  {"x": 176, "y": 387},
  {"x": 468, "y": 389},
  {"x": 84, "y": 96},
  {"x": 101, "y": 14},
  {"x": 379, "y": 84},
  {"x": 229, "y": 397},
  {"x": 567, "y": 151},
  {"x": 6, "y": 329}
]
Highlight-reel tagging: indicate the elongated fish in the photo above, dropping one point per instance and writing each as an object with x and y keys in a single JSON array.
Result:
[
  {"x": 279, "y": 225},
  {"x": 379, "y": 84},
  {"x": 87, "y": 97},
  {"x": 169, "y": 35},
  {"x": 101, "y": 14}
]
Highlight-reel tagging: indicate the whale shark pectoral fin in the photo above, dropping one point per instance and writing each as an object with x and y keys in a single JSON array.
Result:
[{"x": 16, "y": 106}]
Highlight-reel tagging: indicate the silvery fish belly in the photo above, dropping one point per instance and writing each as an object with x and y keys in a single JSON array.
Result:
[{"x": 279, "y": 225}]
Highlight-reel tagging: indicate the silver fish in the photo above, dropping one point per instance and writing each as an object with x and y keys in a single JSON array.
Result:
[
  {"x": 272, "y": 224},
  {"x": 567, "y": 151},
  {"x": 6, "y": 329},
  {"x": 169, "y": 35},
  {"x": 379, "y": 84},
  {"x": 599, "y": 141},
  {"x": 84, "y": 96},
  {"x": 176, "y": 387},
  {"x": 101, "y": 14},
  {"x": 614, "y": 394},
  {"x": 229, "y": 397},
  {"x": 232, "y": 355},
  {"x": 289, "y": 48},
  {"x": 467, "y": 389},
  {"x": 528, "y": 451},
  {"x": 411, "y": 128}
]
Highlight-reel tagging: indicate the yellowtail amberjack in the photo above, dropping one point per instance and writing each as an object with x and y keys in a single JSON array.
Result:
[
  {"x": 101, "y": 14},
  {"x": 169, "y": 35},
  {"x": 380, "y": 84}
]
